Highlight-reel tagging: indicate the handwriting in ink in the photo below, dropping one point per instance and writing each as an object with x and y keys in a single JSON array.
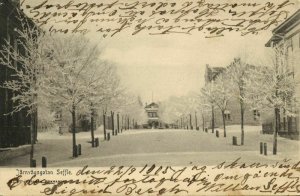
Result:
[{"x": 159, "y": 17}]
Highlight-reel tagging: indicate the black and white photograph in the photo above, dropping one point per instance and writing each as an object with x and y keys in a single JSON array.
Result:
[{"x": 149, "y": 97}]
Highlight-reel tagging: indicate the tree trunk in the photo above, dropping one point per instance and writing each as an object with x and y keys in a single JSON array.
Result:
[
  {"x": 196, "y": 123},
  {"x": 122, "y": 122},
  {"x": 32, "y": 136},
  {"x": 112, "y": 122},
  {"x": 73, "y": 129},
  {"x": 180, "y": 123},
  {"x": 128, "y": 123},
  {"x": 224, "y": 123},
  {"x": 191, "y": 126},
  {"x": 104, "y": 126},
  {"x": 132, "y": 123},
  {"x": 118, "y": 123},
  {"x": 212, "y": 119},
  {"x": 203, "y": 122},
  {"x": 277, "y": 124},
  {"x": 125, "y": 122},
  {"x": 92, "y": 128},
  {"x": 242, "y": 123},
  {"x": 35, "y": 124}
]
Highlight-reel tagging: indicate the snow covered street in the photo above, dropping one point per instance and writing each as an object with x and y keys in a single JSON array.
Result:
[{"x": 157, "y": 146}]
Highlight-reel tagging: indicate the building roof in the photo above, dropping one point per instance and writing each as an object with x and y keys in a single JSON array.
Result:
[
  {"x": 284, "y": 28},
  {"x": 212, "y": 72},
  {"x": 152, "y": 105}
]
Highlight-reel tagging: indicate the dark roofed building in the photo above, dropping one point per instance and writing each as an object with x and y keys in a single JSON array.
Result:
[{"x": 14, "y": 129}]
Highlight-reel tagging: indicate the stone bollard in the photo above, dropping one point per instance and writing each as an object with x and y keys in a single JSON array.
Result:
[
  {"x": 33, "y": 163},
  {"x": 93, "y": 143},
  {"x": 96, "y": 142},
  {"x": 44, "y": 162},
  {"x": 108, "y": 136},
  {"x": 265, "y": 149},
  {"x": 234, "y": 140},
  {"x": 75, "y": 153},
  {"x": 206, "y": 130},
  {"x": 261, "y": 147},
  {"x": 217, "y": 133},
  {"x": 79, "y": 149}
]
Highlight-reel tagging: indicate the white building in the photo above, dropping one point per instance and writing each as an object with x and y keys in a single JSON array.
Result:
[{"x": 287, "y": 35}]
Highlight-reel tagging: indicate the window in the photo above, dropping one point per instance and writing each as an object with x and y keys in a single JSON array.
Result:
[
  {"x": 152, "y": 114},
  {"x": 58, "y": 115},
  {"x": 256, "y": 114},
  {"x": 227, "y": 115}
]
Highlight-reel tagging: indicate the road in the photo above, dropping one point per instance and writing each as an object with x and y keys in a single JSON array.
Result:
[{"x": 160, "y": 147}]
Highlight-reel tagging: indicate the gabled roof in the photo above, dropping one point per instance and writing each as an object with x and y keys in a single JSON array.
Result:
[
  {"x": 290, "y": 22},
  {"x": 284, "y": 28},
  {"x": 212, "y": 73},
  {"x": 152, "y": 105}
]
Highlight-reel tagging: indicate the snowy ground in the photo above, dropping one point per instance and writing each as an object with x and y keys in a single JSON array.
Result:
[{"x": 160, "y": 146}]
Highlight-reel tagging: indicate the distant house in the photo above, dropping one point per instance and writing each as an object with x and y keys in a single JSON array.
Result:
[
  {"x": 287, "y": 35},
  {"x": 152, "y": 113},
  {"x": 14, "y": 129},
  {"x": 232, "y": 114}
]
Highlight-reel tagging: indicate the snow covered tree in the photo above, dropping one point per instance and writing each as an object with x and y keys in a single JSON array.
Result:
[
  {"x": 133, "y": 106},
  {"x": 192, "y": 106},
  {"x": 221, "y": 96},
  {"x": 181, "y": 110},
  {"x": 103, "y": 91},
  {"x": 72, "y": 75},
  {"x": 26, "y": 57},
  {"x": 203, "y": 110},
  {"x": 208, "y": 97},
  {"x": 237, "y": 74},
  {"x": 273, "y": 87},
  {"x": 174, "y": 109}
]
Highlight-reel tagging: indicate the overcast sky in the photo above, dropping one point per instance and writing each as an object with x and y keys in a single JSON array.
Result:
[{"x": 174, "y": 64}]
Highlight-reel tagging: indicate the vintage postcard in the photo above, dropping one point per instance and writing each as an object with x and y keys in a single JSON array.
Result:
[{"x": 149, "y": 97}]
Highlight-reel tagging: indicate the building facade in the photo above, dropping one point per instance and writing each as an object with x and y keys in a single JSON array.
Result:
[
  {"x": 15, "y": 128},
  {"x": 233, "y": 112},
  {"x": 287, "y": 35},
  {"x": 152, "y": 114}
]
